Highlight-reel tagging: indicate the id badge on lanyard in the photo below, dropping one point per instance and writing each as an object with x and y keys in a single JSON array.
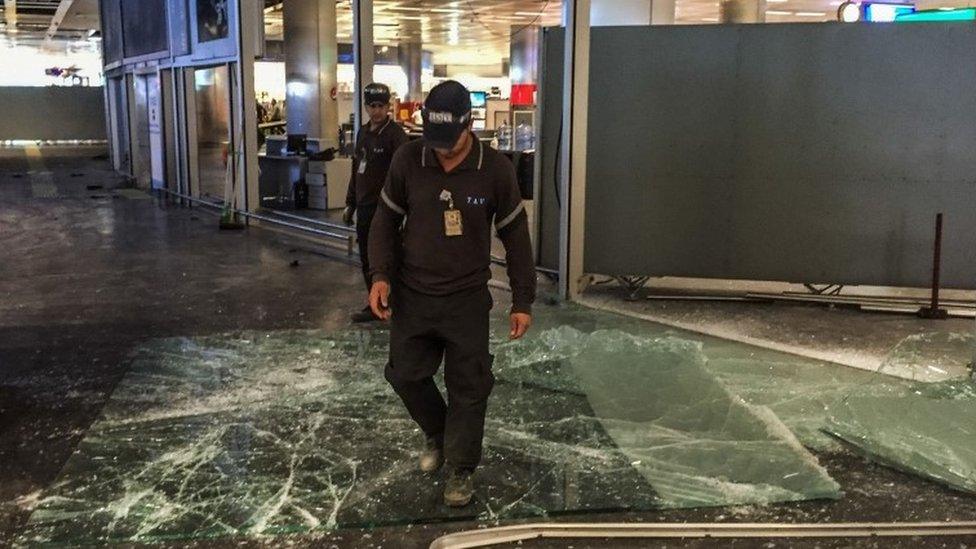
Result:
[{"x": 453, "y": 225}]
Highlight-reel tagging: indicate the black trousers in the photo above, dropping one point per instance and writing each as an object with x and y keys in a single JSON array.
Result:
[
  {"x": 364, "y": 218},
  {"x": 426, "y": 330}
]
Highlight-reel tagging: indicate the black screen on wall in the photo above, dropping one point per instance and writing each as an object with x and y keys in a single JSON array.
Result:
[
  {"x": 111, "y": 31},
  {"x": 144, "y": 27}
]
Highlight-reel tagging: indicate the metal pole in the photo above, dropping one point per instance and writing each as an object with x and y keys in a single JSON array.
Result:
[
  {"x": 576, "y": 17},
  {"x": 583, "y": 531},
  {"x": 933, "y": 311},
  {"x": 309, "y": 220},
  {"x": 266, "y": 219},
  {"x": 362, "y": 50}
]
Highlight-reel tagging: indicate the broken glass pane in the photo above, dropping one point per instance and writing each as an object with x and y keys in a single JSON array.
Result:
[
  {"x": 928, "y": 430},
  {"x": 937, "y": 356},
  {"x": 263, "y": 433},
  {"x": 801, "y": 392},
  {"x": 258, "y": 434},
  {"x": 696, "y": 443}
]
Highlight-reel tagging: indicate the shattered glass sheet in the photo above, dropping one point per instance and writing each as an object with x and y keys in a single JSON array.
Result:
[
  {"x": 927, "y": 430},
  {"x": 800, "y": 391},
  {"x": 262, "y": 434},
  {"x": 258, "y": 434},
  {"x": 695, "y": 443},
  {"x": 932, "y": 357}
]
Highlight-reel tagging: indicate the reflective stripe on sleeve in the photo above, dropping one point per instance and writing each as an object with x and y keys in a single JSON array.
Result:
[
  {"x": 511, "y": 217},
  {"x": 393, "y": 206}
]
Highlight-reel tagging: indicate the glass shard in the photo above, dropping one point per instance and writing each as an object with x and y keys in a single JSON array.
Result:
[
  {"x": 931, "y": 357},
  {"x": 261, "y": 434},
  {"x": 928, "y": 430},
  {"x": 696, "y": 443}
]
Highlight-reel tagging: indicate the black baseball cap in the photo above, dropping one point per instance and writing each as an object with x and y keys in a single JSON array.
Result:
[
  {"x": 446, "y": 114},
  {"x": 376, "y": 93}
]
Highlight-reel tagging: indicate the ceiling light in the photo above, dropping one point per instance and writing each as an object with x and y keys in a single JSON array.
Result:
[{"x": 774, "y": 12}]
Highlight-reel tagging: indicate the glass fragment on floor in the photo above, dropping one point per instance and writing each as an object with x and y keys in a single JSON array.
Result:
[
  {"x": 260, "y": 434},
  {"x": 927, "y": 430},
  {"x": 695, "y": 443},
  {"x": 294, "y": 431},
  {"x": 932, "y": 357}
]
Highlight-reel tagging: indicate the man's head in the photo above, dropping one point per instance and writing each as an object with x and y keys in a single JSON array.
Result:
[
  {"x": 376, "y": 96},
  {"x": 447, "y": 117}
]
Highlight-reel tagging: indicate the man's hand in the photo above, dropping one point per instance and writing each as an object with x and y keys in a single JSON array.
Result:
[
  {"x": 347, "y": 215},
  {"x": 520, "y": 325},
  {"x": 379, "y": 299}
]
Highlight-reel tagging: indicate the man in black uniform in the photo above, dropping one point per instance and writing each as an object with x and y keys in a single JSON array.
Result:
[
  {"x": 451, "y": 188},
  {"x": 378, "y": 139}
]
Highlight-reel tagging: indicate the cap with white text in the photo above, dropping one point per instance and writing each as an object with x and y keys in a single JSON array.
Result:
[{"x": 446, "y": 114}]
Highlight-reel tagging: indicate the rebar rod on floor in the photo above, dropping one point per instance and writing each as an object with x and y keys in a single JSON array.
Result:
[{"x": 526, "y": 532}]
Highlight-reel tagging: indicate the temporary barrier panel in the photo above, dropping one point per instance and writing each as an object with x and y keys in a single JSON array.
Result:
[{"x": 802, "y": 153}]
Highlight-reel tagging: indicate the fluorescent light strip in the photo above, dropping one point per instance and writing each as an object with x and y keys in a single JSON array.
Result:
[{"x": 774, "y": 12}]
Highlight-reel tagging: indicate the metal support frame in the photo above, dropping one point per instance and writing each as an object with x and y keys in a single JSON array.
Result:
[
  {"x": 633, "y": 284},
  {"x": 59, "y": 14},
  {"x": 348, "y": 240},
  {"x": 825, "y": 289},
  {"x": 523, "y": 532},
  {"x": 250, "y": 14},
  {"x": 362, "y": 51},
  {"x": 576, "y": 17}
]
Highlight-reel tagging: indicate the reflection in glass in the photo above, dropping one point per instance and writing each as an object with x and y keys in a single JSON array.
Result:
[{"x": 213, "y": 131}]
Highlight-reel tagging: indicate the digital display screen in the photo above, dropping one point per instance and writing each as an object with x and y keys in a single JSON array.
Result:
[
  {"x": 964, "y": 14},
  {"x": 885, "y": 13},
  {"x": 479, "y": 99}
]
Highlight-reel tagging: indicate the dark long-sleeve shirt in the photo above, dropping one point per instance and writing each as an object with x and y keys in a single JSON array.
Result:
[
  {"x": 484, "y": 189},
  {"x": 371, "y": 162}
]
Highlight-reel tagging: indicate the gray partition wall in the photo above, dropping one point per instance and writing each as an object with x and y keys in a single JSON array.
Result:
[
  {"x": 52, "y": 113},
  {"x": 801, "y": 153}
]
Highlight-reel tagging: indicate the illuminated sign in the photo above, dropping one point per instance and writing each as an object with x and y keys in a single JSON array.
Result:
[{"x": 965, "y": 14}]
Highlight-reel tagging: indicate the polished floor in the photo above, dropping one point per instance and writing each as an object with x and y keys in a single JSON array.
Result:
[{"x": 163, "y": 381}]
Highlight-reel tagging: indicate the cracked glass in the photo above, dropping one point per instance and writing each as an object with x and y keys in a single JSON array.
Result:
[{"x": 295, "y": 431}]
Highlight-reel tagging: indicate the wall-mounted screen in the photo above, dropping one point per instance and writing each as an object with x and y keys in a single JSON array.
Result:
[
  {"x": 144, "y": 29},
  {"x": 479, "y": 99},
  {"x": 111, "y": 31},
  {"x": 213, "y": 20}
]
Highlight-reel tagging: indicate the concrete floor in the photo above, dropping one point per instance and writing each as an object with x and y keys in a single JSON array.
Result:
[{"x": 88, "y": 274}]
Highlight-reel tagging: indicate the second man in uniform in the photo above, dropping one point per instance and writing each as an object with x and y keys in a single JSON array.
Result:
[{"x": 376, "y": 142}]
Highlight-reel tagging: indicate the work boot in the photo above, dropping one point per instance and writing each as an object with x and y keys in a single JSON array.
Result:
[
  {"x": 432, "y": 457},
  {"x": 366, "y": 315},
  {"x": 460, "y": 488}
]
